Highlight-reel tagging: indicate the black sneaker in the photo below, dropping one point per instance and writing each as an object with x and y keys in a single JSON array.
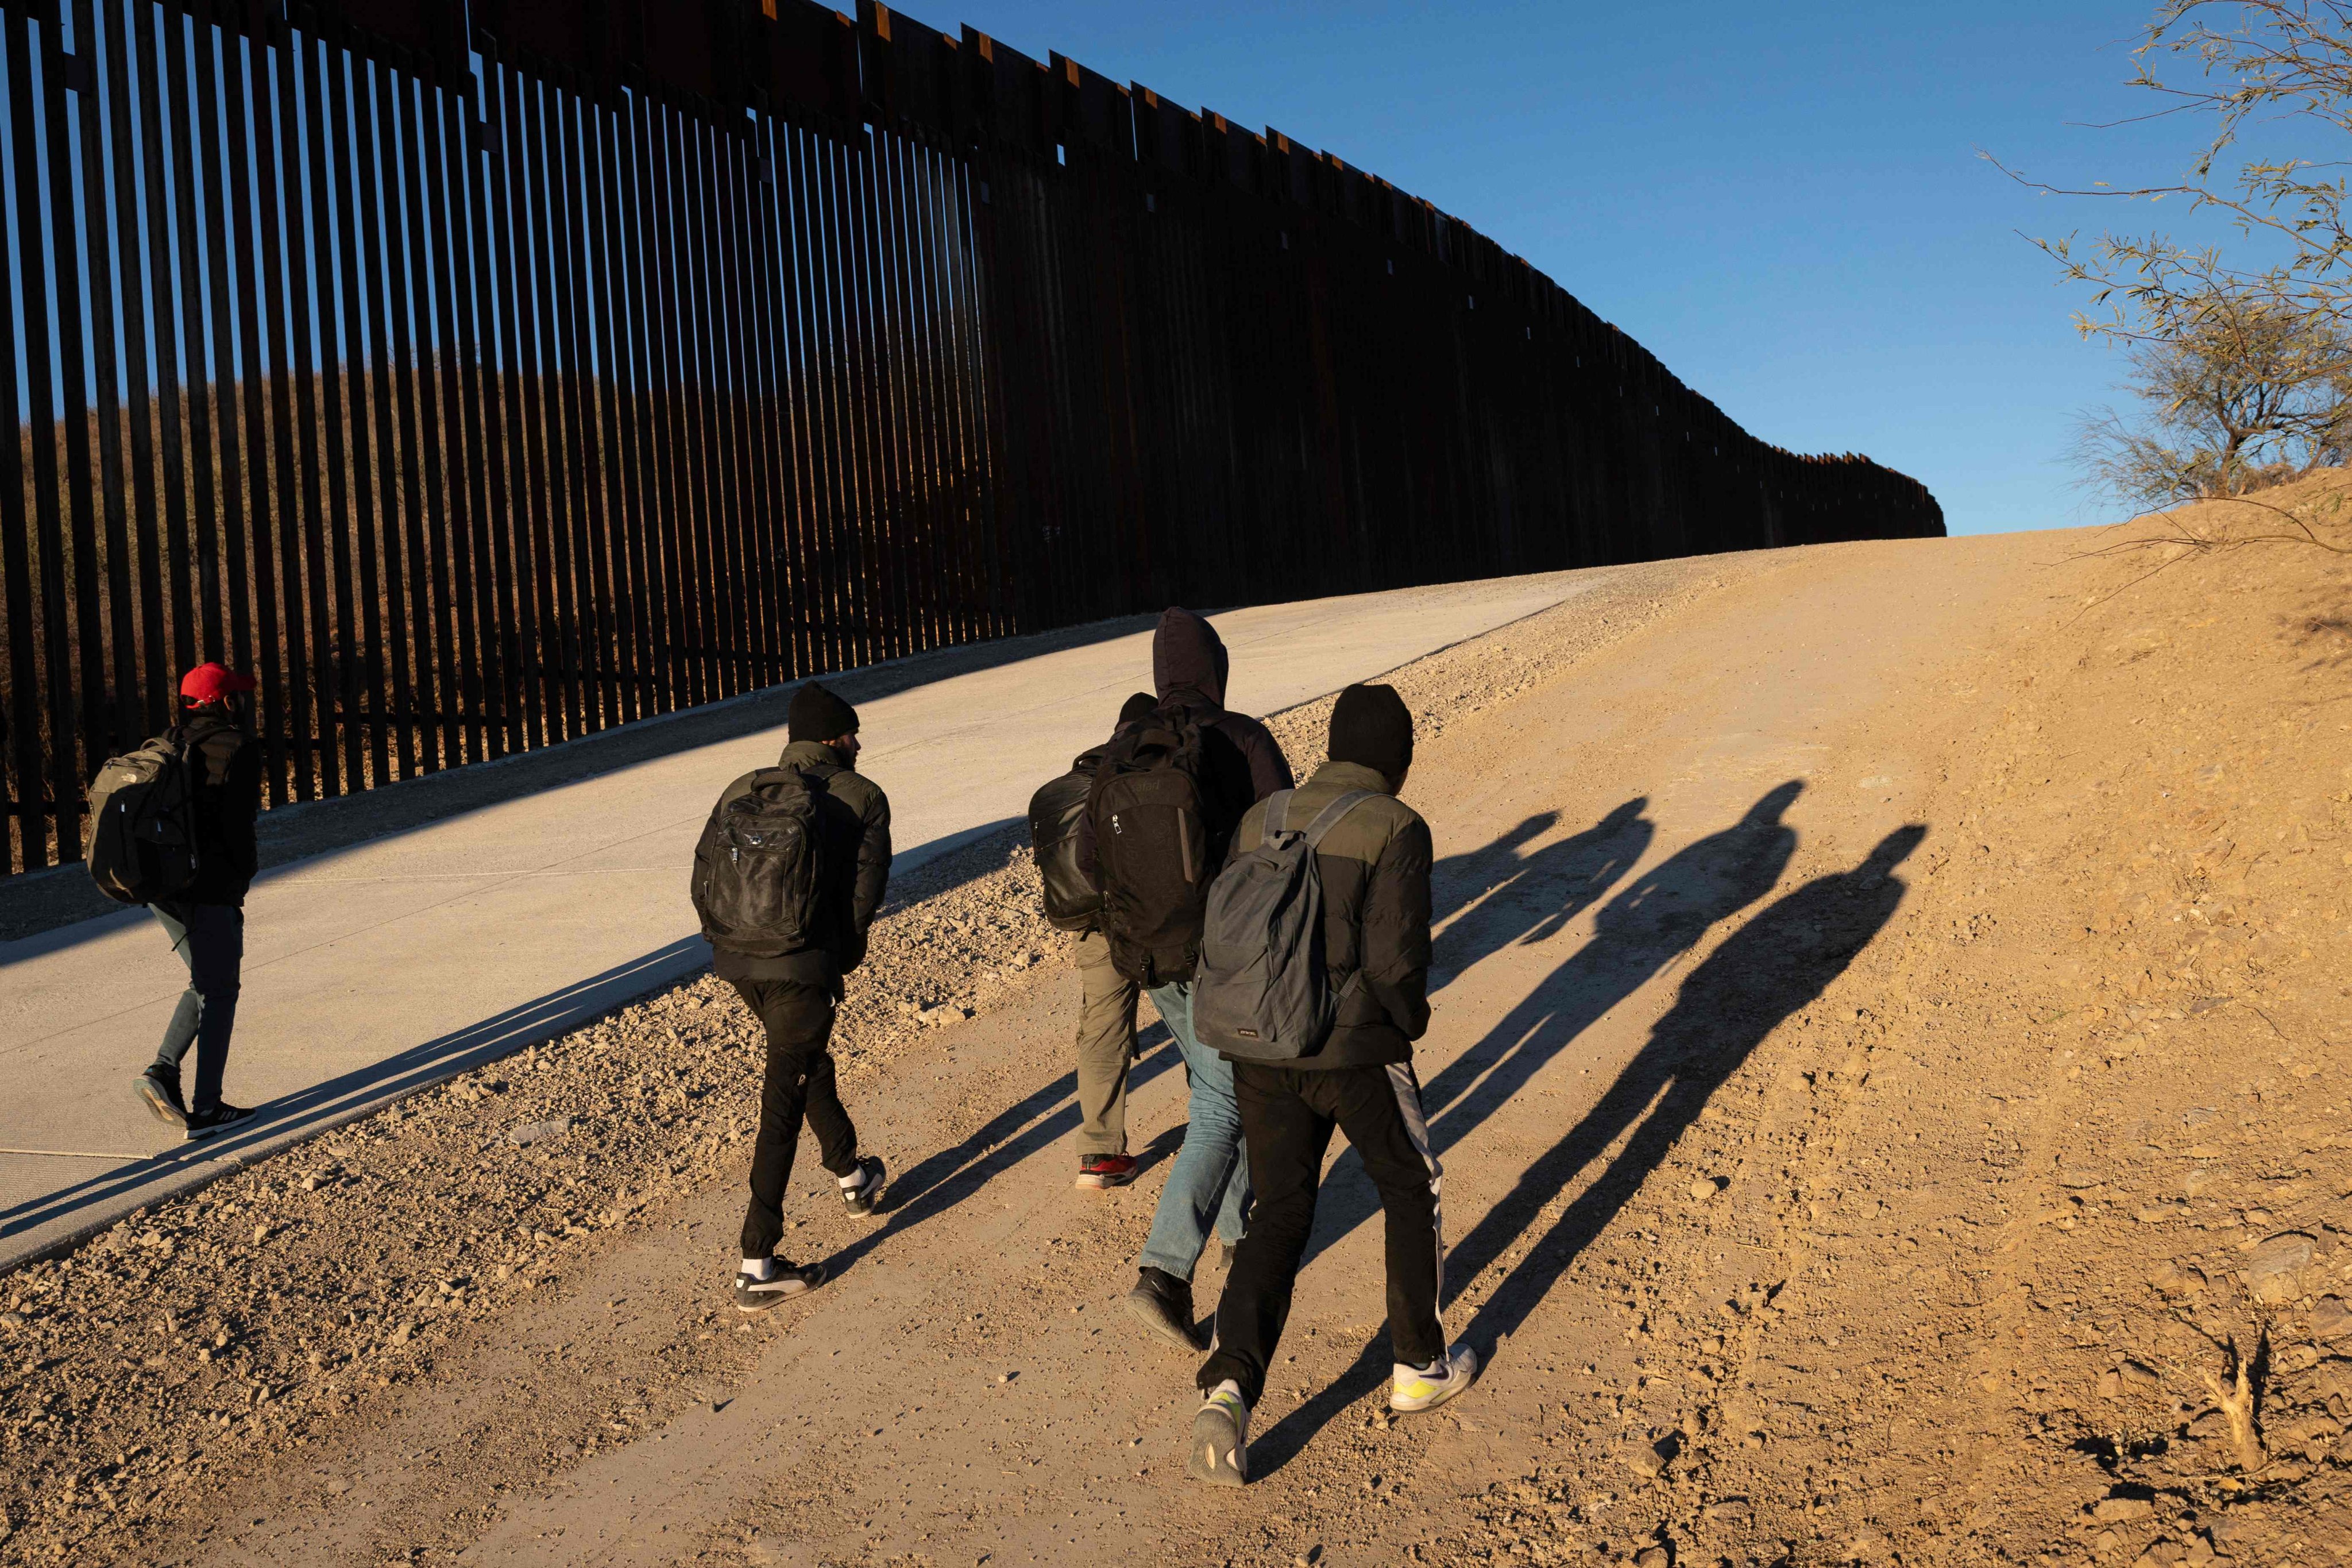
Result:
[
  {"x": 785, "y": 1281},
  {"x": 159, "y": 1091},
  {"x": 220, "y": 1119},
  {"x": 865, "y": 1198},
  {"x": 1165, "y": 1304}
]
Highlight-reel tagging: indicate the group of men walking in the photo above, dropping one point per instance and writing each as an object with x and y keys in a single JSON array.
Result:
[
  {"x": 1256, "y": 1132},
  {"x": 1282, "y": 931}
]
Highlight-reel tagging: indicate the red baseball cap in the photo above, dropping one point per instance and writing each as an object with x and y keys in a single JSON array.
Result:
[{"x": 211, "y": 682}]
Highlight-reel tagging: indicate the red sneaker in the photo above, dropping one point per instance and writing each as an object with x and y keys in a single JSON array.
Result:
[{"x": 1099, "y": 1171}]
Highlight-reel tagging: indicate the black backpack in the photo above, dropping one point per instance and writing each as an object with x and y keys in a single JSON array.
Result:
[
  {"x": 1072, "y": 901},
  {"x": 1152, "y": 847},
  {"x": 761, "y": 870},
  {"x": 142, "y": 829}
]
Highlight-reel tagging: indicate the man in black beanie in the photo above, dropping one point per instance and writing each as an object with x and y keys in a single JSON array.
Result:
[
  {"x": 795, "y": 993},
  {"x": 1374, "y": 865}
]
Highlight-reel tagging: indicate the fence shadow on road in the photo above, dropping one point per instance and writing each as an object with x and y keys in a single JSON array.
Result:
[
  {"x": 309, "y": 1113},
  {"x": 1778, "y": 962}
]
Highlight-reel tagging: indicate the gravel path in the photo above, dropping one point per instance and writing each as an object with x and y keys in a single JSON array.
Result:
[{"x": 1818, "y": 1193}]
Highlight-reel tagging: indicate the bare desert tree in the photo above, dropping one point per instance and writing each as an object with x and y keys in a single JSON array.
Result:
[
  {"x": 2241, "y": 375},
  {"x": 2235, "y": 390}
]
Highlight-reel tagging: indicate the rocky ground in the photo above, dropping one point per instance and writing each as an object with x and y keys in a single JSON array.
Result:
[
  {"x": 2029, "y": 1242},
  {"x": 1958, "y": 1178}
]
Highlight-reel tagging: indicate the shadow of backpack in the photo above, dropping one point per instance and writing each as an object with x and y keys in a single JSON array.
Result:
[
  {"x": 142, "y": 829},
  {"x": 1152, "y": 847},
  {"x": 1264, "y": 992},
  {"x": 759, "y": 868}
]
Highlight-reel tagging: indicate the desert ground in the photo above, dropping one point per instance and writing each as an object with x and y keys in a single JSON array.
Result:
[{"x": 1891, "y": 1018}]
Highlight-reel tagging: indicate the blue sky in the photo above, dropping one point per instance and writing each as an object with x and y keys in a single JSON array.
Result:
[{"x": 1784, "y": 201}]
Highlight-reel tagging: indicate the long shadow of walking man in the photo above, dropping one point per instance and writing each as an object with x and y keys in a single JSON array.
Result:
[
  {"x": 1640, "y": 932},
  {"x": 1777, "y": 963},
  {"x": 1503, "y": 895}
]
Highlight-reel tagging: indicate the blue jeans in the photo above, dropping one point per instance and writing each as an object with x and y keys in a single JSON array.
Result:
[
  {"x": 1210, "y": 1181},
  {"x": 210, "y": 939}
]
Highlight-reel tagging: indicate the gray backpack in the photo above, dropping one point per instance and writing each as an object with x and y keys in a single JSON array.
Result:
[{"x": 1262, "y": 993}]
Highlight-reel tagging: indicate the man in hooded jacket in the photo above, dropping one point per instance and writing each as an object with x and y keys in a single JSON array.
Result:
[
  {"x": 1374, "y": 863},
  {"x": 795, "y": 996},
  {"x": 1208, "y": 1185}
]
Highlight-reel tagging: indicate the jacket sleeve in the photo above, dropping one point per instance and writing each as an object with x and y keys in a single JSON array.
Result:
[
  {"x": 1396, "y": 929},
  {"x": 1269, "y": 769},
  {"x": 873, "y": 874}
]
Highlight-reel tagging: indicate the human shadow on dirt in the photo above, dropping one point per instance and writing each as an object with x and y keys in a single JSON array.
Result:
[
  {"x": 1646, "y": 927},
  {"x": 1495, "y": 896},
  {"x": 1779, "y": 962}
]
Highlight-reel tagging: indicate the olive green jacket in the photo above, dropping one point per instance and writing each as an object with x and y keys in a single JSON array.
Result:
[{"x": 1375, "y": 869}]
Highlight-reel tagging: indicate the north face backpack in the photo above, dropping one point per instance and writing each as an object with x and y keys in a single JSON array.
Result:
[
  {"x": 143, "y": 829},
  {"x": 1072, "y": 902},
  {"x": 1263, "y": 992},
  {"x": 760, "y": 871},
  {"x": 1152, "y": 847}
]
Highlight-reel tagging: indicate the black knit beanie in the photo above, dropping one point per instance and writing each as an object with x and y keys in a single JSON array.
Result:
[
  {"x": 817, "y": 714},
  {"x": 1371, "y": 726}
]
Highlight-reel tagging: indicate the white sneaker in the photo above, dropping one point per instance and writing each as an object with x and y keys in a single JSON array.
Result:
[
  {"x": 1220, "y": 1448},
  {"x": 1425, "y": 1388}
]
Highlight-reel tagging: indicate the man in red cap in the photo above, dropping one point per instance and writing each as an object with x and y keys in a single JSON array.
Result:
[{"x": 206, "y": 920}]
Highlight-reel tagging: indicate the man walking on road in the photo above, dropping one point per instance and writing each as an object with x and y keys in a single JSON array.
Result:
[
  {"x": 832, "y": 825},
  {"x": 205, "y": 921},
  {"x": 1373, "y": 864},
  {"x": 1105, "y": 1039},
  {"x": 1208, "y": 1186}
]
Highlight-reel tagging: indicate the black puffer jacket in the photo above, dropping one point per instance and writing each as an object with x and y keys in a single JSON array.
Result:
[
  {"x": 856, "y": 817},
  {"x": 224, "y": 766}
]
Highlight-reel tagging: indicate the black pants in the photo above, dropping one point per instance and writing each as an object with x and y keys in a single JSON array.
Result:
[
  {"x": 210, "y": 939},
  {"x": 1287, "y": 1121},
  {"x": 799, "y": 1021}
]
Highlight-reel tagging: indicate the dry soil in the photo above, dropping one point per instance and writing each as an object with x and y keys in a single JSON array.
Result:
[{"x": 1889, "y": 1045}]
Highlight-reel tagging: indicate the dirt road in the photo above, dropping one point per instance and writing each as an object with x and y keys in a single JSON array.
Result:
[{"x": 1889, "y": 1030}]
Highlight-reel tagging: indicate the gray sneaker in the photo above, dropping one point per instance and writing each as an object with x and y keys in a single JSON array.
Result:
[{"x": 1218, "y": 1452}]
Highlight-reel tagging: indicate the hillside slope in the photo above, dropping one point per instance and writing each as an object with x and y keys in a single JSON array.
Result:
[
  {"x": 1890, "y": 1021},
  {"x": 2034, "y": 1244}
]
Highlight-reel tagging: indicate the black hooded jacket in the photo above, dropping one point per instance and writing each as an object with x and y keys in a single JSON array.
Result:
[
  {"x": 225, "y": 767},
  {"x": 1240, "y": 764}
]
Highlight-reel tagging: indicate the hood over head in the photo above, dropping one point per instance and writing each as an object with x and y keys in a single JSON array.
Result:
[{"x": 1187, "y": 654}]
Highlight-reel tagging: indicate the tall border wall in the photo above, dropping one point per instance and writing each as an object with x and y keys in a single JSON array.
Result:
[{"x": 486, "y": 376}]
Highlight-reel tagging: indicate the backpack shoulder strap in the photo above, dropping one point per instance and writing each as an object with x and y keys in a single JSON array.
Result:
[
  {"x": 1277, "y": 811},
  {"x": 1329, "y": 817}
]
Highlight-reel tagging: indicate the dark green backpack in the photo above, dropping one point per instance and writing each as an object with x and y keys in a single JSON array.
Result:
[{"x": 142, "y": 826}]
